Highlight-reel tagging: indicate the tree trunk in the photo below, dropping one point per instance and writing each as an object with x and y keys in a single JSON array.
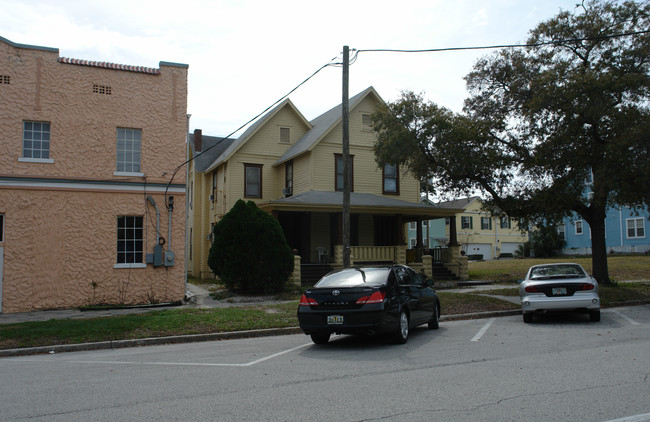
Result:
[{"x": 599, "y": 249}]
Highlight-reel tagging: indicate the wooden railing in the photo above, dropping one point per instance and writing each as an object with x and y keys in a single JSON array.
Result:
[{"x": 372, "y": 253}]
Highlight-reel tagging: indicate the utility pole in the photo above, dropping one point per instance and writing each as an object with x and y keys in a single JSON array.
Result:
[{"x": 345, "y": 119}]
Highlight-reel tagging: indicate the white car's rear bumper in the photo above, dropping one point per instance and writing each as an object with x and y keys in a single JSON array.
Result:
[{"x": 541, "y": 302}]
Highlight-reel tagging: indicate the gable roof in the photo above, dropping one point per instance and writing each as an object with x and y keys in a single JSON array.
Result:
[
  {"x": 322, "y": 125},
  {"x": 213, "y": 146},
  {"x": 462, "y": 203},
  {"x": 252, "y": 129}
]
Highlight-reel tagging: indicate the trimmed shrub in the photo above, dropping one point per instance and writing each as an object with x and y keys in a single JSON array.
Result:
[{"x": 249, "y": 251}]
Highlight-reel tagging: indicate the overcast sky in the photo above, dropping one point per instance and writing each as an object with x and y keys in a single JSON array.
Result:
[{"x": 243, "y": 55}]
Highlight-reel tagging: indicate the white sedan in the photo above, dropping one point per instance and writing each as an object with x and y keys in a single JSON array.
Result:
[{"x": 559, "y": 287}]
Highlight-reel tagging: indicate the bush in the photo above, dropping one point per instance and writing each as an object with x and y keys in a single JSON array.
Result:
[
  {"x": 249, "y": 251},
  {"x": 545, "y": 241}
]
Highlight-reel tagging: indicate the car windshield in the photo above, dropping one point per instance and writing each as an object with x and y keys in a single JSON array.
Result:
[
  {"x": 355, "y": 277},
  {"x": 556, "y": 271}
]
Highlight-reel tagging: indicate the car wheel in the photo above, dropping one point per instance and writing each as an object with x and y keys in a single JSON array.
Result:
[
  {"x": 320, "y": 338},
  {"x": 434, "y": 322},
  {"x": 594, "y": 316},
  {"x": 528, "y": 318},
  {"x": 402, "y": 333}
]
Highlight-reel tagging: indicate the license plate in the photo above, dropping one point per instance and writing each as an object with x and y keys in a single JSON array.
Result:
[
  {"x": 558, "y": 291},
  {"x": 335, "y": 319}
]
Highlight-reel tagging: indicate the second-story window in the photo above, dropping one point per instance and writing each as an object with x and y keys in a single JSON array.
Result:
[
  {"x": 466, "y": 222},
  {"x": 253, "y": 180},
  {"x": 579, "y": 227},
  {"x": 288, "y": 177},
  {"x": 486, "y": 223},
  {"x": 390, "y": 176},
  {"x": 128, "y": 150},
  {"x": 338, "y": 183},
  {"x": 505, "y": 223},
  {"x": 36, "y": 140}
]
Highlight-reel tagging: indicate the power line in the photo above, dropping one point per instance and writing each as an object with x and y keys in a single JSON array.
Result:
[{"x": 488, "y": 47}]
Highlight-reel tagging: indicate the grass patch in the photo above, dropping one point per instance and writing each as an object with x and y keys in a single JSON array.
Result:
[
  {"x": 621, "y": 268},
  {"x": 151, "y": 324},
  {"x": 462, "y": 303}
]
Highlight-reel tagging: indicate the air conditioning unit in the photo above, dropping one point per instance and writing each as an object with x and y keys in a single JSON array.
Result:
[{"x": 286, "y": 191}]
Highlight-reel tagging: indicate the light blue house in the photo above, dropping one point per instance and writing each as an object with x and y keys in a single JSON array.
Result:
[{"x": 625, "y": 232}]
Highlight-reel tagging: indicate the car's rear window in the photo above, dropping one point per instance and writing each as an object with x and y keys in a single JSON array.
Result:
[
  {"x": 355, "y": 277},
  {"x": 553, "y": 271}
]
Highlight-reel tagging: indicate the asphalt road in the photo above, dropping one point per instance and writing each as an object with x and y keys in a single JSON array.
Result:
[{"x": 498, "y": 369}]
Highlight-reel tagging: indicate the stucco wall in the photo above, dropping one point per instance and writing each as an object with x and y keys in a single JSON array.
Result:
[{"x": 61, "y": 213}]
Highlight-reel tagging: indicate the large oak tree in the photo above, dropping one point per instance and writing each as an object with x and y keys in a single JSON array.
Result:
[{"x": 573, "y": 106}]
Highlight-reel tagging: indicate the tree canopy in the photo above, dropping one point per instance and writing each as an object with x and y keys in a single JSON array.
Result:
[{"x": 544, "y": 124}]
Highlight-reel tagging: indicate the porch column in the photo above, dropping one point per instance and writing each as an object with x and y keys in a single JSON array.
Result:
[
  {"x": 418, "y": 234},
  {"x": 453, "y": 239}
]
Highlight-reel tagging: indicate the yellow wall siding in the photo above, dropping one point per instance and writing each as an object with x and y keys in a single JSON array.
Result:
[{"x": 302, "y": 173}]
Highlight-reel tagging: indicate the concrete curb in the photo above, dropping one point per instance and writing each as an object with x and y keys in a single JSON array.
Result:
[{"x": 116, "y": 344}]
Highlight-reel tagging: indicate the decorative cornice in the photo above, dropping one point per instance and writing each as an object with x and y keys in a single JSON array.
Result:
[{"x": 107, "y": 65}]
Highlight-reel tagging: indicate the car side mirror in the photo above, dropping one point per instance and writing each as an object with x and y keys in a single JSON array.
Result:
[{"x": 429, "y": 283}]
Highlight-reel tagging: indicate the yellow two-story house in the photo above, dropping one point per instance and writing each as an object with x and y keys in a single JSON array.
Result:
[
  {"x": 482, "y": 235},
  {"x": 293, "y": 169}
]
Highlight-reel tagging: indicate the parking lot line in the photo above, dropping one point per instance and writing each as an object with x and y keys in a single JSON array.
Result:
[
  {"x": 206, "y": 364},
  {"x": 625, "y": 317},
  {"x": 482, "y": 331}
]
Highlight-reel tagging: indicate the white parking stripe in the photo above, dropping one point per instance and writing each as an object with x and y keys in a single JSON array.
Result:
[
  {"x": 189, "y": 363},
  {"x": 636, "y": 418},
  {"x": 482, "y": 331},
  {"x": 625, "y": 317}
]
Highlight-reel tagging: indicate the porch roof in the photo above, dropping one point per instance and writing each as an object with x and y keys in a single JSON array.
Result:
[{"x": 360, "y": 203}]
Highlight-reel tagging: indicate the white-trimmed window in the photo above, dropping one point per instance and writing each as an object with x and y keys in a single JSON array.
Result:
[
  {"x": 413, "y": 225},
  {"x": 253, "y": 180},
  {"x": 466, "y": 222},
  {"x": 579, "y": 229},
  {"x": 412, "y": 243},
  {"x": 560, "y": 232},
  {"x": 635, "y": 228},
  {"x": 506, "y": 223},
  {"x": 36, "y": 142},
  {"x": 130, "y": 244},
  {"x": 129, "y": 143},
  {"x": 486, "y": 223}
]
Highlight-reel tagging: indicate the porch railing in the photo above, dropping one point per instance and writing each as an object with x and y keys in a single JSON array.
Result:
[{"x": 373, "y": 253}]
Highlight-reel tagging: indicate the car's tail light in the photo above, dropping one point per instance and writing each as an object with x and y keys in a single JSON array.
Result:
[
  {"x": 532, "y": 289},
  {"x": 307, "y": 301},
  {"x": 376, "y": 297},
  {"x": 587, "y": 286}
]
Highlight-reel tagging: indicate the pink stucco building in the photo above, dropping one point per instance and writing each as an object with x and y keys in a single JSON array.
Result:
[{"x": 87, "y": 153}]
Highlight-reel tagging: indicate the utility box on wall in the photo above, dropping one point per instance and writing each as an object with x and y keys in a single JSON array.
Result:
[{"x": 169, "y": 259}]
